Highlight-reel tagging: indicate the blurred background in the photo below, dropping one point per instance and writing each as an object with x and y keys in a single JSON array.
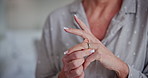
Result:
[{"x": 21, "y": 23}]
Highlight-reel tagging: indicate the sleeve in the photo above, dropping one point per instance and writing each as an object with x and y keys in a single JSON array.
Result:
[
  {"x": 46, "y": 66},
  {"x": 133, "y": 73}
]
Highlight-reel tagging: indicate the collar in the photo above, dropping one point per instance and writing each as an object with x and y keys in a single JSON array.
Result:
[
  {"x": 128, "y": 6},
  {"x": 77, "y": 9}
]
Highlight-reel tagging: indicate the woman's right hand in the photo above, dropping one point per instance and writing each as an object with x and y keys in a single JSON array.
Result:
[{"x": 73, "y": 64}]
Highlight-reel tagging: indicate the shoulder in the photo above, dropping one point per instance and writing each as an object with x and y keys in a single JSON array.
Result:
[
  {"x": 142, "y": 7},
  {"x": 63, "y": 12},
  {"x": 60, "y": 17},
  {"x": 56, "y": 14},
  {"x": 142, "y": 12},
  {"x": 143, "y": 2}
]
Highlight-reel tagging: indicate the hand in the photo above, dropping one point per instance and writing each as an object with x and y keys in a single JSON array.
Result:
[
  {"x": 73, "y": 63},
  {"x": 102, "y": 54}
]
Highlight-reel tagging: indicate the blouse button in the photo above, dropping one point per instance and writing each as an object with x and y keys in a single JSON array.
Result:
[
  {"x": 134, "y": 53},
  {"x": 112, "y": 34},
  {"x": 135, "y": 32},
  {"x": 129, "y": 42},
  {"x": 131, "y": 75},
  {"x": 125, "y": 8},
  {"x": 132, "y": 66},
  {"x": 51, "y": 29}
]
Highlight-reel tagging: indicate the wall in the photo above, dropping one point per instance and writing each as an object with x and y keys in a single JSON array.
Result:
[
  {"x": 21, "y": 22},
  {"x": 30, "y": 13}
]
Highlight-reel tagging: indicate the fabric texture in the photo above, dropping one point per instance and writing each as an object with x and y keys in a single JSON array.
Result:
[{"x": 126, "y": 37}]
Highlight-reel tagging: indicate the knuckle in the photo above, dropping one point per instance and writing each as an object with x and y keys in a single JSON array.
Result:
[
  {"x": 87, "y": 60},
  {"x": 84, "y": 45},
  {"x": 74, "y": 64},
  {"x": 83, "y": 60},
  {"x": 63, "y": 59},
  {"x": 82, "y": 76},
  {"x": 65, "y": 68},
  {"x": 76, "y": 55},
  {"x": 68, "y": 76},
  {"x": 70, "y": 49},
  {"x": 81, "y": 33},
  {"x": 77, "y": 72}
]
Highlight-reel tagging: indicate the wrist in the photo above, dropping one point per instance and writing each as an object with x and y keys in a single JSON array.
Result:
[{"x": 122, "y": 71}]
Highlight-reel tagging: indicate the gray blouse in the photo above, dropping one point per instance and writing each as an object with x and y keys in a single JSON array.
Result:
[{"x": 126, "y": 37}]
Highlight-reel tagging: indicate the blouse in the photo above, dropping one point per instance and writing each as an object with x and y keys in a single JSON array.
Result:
[{"x": 126, "y": 37}]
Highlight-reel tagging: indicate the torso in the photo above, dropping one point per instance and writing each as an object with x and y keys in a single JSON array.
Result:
[{"x": 128, "y": 42}]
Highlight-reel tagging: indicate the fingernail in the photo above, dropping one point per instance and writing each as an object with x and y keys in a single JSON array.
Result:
[
  {"x": 65, "y": 52},
  {"x": 75, "y": 15},
  {"x": 92, "y": 51},
  {"x": 66, "y": 28}
]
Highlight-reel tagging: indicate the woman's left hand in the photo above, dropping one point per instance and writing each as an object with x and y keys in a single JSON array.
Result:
[{"x": 101, "y": 54}]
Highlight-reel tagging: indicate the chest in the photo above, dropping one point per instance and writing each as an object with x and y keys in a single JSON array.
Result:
[{"x": 99, "y": 27}]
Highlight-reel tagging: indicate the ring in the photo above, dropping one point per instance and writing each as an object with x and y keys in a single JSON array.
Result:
[{"x": 88, "y": 44}]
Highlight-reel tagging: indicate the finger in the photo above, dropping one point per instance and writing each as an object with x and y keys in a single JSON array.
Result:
[
  {"x": 78, "y": 47},
  {"x": 94, "y": 45},
  {"x": 81, "y": 24},
  {"x": 79, "y": 54},
  {"x": 83, "y": 46},
  {"x": 85, "y": 41},
  {"x": 90, "y": 59},
  {"x": 81, "y": 76},
  {"x": 73, "y": 64},
  {"x": 78, "y": 32},
  {"x": 76, "y": 72},
  {"x": 82, "y": 34}
]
